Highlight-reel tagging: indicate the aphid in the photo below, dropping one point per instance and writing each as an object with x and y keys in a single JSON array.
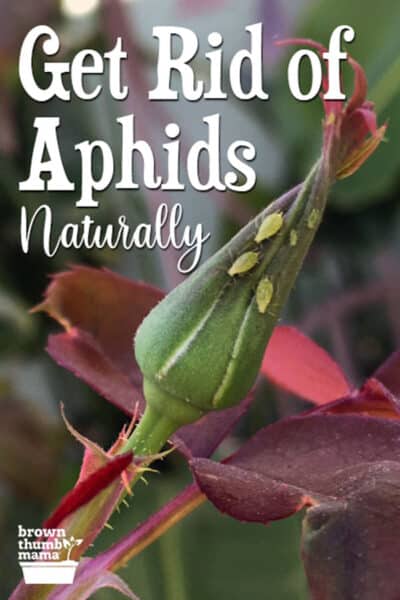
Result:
[
  {"x": 313, "y": 218},
  {"x": 244, "y": 263},
  {"x": 330, "y": 119},
  {"x": 264, "y": 293},
  {"x": 269, "y": 227},
  {"x": 293, "y": 238}
]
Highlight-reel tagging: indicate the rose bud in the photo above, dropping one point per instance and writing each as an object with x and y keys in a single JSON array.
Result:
[{"x": 201, "y": 348}]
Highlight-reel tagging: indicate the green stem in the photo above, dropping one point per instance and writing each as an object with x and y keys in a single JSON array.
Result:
[
  {"x": 172, "y": 563},
  {"x": 152, "y": 432}
]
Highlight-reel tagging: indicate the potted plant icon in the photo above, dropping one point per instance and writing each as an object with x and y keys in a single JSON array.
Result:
[
  {"x": 56, "y": 572},
  {"x": 70, "y": 544}
]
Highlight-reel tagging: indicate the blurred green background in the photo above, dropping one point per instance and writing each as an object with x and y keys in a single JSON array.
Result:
[{"x": 347, "y": 298}]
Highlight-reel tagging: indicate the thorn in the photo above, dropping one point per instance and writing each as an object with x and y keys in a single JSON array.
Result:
[
  {"x": 166, "y": 453},
  {"x": 109, "y": 526},
  {"x": 133, "y": 421},
  {"x": 148, "y": 470},
  {"x": 125, "y": 481},
  {"x": 125, "y": 503}
]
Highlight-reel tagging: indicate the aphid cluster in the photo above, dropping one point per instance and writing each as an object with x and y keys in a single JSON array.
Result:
[{"x": 270, "y": 226}]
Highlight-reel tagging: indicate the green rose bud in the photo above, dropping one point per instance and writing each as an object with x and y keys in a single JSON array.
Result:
[{"x": 201, "y": 348}]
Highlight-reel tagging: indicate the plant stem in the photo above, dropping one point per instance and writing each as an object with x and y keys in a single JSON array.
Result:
[
  {"x": 150, "y": 435},
  {"x": 151, "y": 530},
  {"x": 172, "y": 559}
]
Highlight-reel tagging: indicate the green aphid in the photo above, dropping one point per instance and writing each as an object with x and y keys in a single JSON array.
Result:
[
  {"x": 293, "y": 238},
  {"x": 244, "y": 263},
  {"x": 264, "y": 293},
  {"x": 313, "y": 218},
  {"x": 269, "y": 227}
]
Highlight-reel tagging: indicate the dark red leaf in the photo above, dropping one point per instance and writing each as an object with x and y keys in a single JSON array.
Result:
[
  {"x": 346, "y": 469},
  {"x": 373, "y": 400},
  {"x": 104, "y": 305},
  {"x": 304, "y": 460},
  {"x": 297, "y": 364},
  {"x": 88, "y": 488},
  {"x": 351, "y": 548},
  {"x": 79, "y": 353}
]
